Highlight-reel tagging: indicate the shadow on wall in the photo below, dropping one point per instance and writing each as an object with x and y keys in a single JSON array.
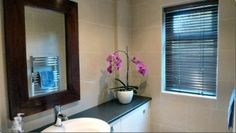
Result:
[
  {"x": 105, "y": 83},
  {"x": 142, "y": 87}
]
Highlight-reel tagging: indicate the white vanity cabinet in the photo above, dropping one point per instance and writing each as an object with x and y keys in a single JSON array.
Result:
[
  {"x": 135, "y": 121},
  {"x": 234, "y": 127},
  {"x": 115, "y": 126}
]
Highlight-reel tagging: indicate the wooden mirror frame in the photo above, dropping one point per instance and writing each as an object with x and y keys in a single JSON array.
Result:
[{"x": 16, "y": 63}]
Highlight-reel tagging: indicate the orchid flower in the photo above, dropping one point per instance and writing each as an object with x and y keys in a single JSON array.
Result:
[
  {"x": 140, "y": 67},
  {"x": 114, "y": 64}
]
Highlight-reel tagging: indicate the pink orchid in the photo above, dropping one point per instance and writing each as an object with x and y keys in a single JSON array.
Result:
[
  {"x": 109, "y": 58},
  {"x": 109, "y": 69},
  {"x": 115, "y": 63},
  {"x": 140, "y": 67}
]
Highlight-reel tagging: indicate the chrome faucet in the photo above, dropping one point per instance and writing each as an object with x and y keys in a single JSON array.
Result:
[
  {"x": 59, "y": 117},
  {"x": 17, "y": 125}
]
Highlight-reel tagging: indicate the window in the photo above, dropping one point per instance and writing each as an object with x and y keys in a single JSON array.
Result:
[{"x": 191, "y": 48}]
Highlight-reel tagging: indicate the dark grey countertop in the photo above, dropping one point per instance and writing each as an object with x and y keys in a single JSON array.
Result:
[{"x": 108, "y": 111}]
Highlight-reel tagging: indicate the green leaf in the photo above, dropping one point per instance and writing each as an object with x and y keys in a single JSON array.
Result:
[
  {"x": 120, "y": 82},
  {"x": 115, "y": 88},
  {"x": 134, "y": 88},
  {"x": 131, "y": 86}
]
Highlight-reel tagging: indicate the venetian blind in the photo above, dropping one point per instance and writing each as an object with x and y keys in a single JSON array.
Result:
[{"x": 191, "y": 47}]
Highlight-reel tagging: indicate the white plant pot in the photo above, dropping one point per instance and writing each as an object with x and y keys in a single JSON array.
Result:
[{"x": 125, "y": 97}]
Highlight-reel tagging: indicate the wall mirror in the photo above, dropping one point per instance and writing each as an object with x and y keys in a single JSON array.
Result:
[
  {"x": 45, "y": 51},
  {"x": 42, "y": 54}
]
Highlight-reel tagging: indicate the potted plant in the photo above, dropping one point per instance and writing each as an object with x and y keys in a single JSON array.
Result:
[{"x": 125, "y": 91}]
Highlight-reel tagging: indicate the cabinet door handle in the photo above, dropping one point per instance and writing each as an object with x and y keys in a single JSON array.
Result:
[
  {"x": 144, "y": 111},
  {"x": 112, "y": 129}
]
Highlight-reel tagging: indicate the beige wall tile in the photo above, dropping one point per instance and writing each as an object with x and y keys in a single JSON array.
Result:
[
  {"x": 149, "y": 14},
  {"x": 146, "y": 87},
  {"x": 123, "y": 13},
  {"x": 198, "y": 119},
  {"x": 86, "y": 12},
  {"x": 135, "y": 10},
  {"x": 224, "y": 92},
  {"x": 227, "y": 9},
  {"x": 226, "y": 61},
  {"x": 3, "y": 93},
  {"x": 96, "y": 38},
  {"x": 148, "y": 36},
  {"x": 91, "y": 65},
  {"x": 167, "y": 115},
  {"x": 159, "y": 127},
  {"x": 146, "y": 14},
  {"x": 194, "y": 113},
  {"x": 218, "y": 122},
  {"x": 105, "y": 10},
  {"x": 123, "y": 37},
  {"x": 137, "y": 2},
  {"x": 227, "y": 34}
]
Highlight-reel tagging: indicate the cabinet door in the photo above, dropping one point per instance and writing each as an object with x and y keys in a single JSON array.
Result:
[
  {"x": 234, "y": 127},
  {"x": 115, "y": 126},
  {"x": 137, "y": 120}
]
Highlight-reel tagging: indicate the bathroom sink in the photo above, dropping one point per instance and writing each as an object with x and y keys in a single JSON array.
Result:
[{"x": 81, "y": 125}]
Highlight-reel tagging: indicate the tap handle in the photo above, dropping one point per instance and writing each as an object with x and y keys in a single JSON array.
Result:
[
  {"x": 63, "y": 117},
  {"x": 57, "y": 109},
  {"x": 20, "y": 114},
  {"x": 58, "y": 122},
  {"x": 17, "y": 125}
]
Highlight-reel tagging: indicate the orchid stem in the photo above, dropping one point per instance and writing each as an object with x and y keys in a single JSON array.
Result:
[
  {"x": 127, "y": 56},
  {"x": 127, "y": 72}
]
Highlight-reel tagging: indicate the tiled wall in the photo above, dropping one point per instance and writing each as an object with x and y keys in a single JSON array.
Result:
[
  {"x": 96, "y": 40},
  {"x": 104, "y": 27},
  {"x": 175, "y": 112},
  {"x": 3, "y": 97},
  {"x": 123, "y": 36}
]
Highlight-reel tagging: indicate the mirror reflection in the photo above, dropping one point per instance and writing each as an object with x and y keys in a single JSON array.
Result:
[{"x": 45, "y": 51}]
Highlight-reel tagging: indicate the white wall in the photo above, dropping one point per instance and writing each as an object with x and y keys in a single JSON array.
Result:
[{"x": 176, "y": 112}]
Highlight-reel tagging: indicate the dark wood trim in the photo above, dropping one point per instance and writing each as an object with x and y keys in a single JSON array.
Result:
[{"x": 16, "y": 64}]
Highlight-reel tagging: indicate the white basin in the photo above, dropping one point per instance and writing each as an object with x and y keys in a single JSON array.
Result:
[{"x": 81, "y": 125}]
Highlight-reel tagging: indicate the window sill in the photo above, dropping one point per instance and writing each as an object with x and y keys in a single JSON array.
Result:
[{"x": 189, "y": 95}]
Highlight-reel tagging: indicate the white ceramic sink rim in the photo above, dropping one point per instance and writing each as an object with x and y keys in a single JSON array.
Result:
[{"x": 85, "y": 124}]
